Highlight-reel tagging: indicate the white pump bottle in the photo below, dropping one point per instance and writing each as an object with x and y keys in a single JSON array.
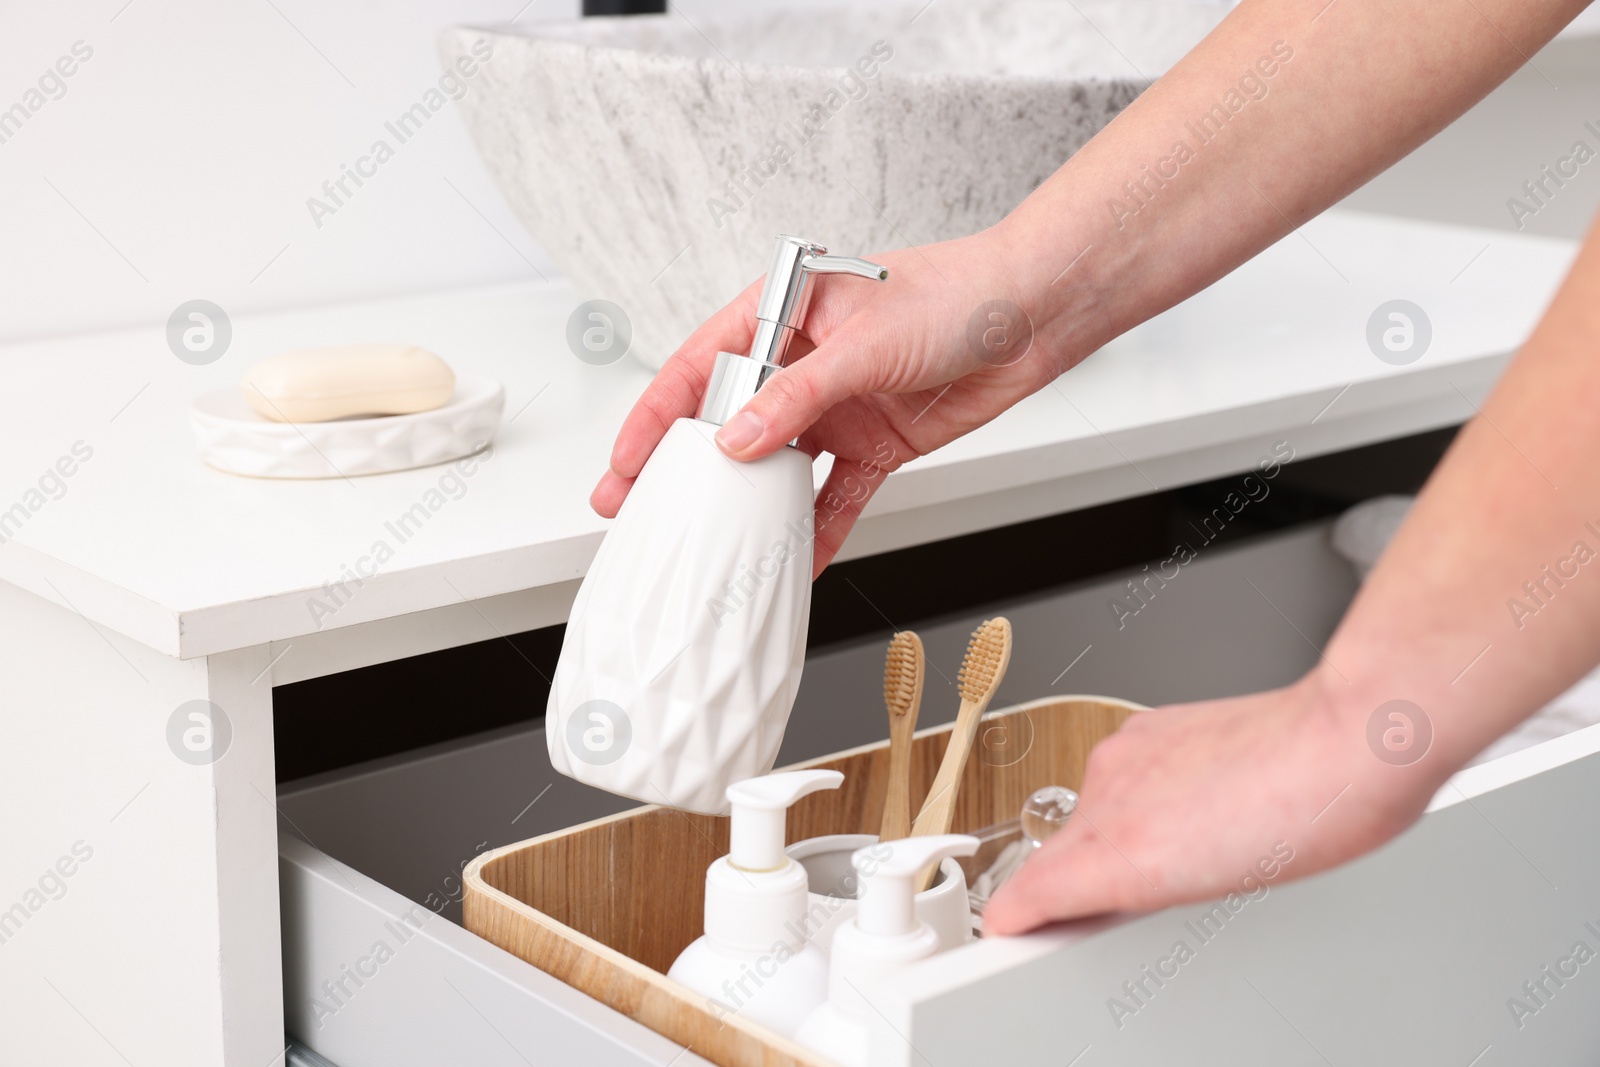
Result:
[
  {"x": 685, "y": 644},
  {"x": 884, "y": 936},
  {"x": 754, "y": 959}
]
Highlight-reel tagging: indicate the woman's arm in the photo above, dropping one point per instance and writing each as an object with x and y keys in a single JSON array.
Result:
[
  {"x": 1283, "y": 109},
  {"x": 1485, "y": 607},
  {"x": 1280, "y": 112}
]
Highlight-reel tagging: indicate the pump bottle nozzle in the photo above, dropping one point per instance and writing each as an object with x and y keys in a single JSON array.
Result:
[
  {"x": 780, "y": 312},
  {"x": 760, "y": 805},
  {"x": 887, "y": 907}
]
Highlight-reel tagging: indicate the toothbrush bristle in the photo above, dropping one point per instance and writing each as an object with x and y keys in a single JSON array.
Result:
[
  {"x": 987, "y": 655},
  {"x": 900, "y": 672}
]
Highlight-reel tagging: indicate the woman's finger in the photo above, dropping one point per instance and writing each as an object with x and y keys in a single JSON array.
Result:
[
  {"x": 1078, "y": 872},
  {"x": 607, "y": 497},
  {"x": 845, "y": 492},
  {"x": 847, "y": 364}
]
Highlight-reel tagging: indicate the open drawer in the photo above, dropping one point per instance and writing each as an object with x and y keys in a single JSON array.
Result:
[
  {"x": 1468, "y": 940},
  {"x": 373, "y": 977},
  {"x": 1412, "y": 955}
]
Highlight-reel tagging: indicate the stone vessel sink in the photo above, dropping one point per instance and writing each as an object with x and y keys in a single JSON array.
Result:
[{"x": 656, "y": 158}]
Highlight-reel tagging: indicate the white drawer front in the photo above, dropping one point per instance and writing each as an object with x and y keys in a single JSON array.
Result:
[{"x": 373, "y": 980}]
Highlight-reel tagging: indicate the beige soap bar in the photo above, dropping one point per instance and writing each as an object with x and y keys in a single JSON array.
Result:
[{"x": 319, "y": 384}]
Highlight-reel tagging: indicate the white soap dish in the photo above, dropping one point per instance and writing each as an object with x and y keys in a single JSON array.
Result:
[{"x": 234, "y": 438}]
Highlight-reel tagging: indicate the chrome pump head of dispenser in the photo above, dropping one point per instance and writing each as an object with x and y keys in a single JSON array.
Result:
[{"x": 779, "y": 315}]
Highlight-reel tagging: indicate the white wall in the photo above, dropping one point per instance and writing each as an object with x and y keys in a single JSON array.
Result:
[{"x": 192, "y": 139}]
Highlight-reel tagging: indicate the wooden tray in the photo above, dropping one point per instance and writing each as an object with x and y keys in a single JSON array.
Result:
[{"x": 607, "y": 906}]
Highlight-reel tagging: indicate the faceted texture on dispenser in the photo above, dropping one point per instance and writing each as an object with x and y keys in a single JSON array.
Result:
[{"x": 685, "y": 644}]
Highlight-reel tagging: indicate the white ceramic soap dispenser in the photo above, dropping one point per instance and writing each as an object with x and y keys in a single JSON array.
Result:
[
  {"x": 754, "y": 959},
  {"x": 884, "y": 936},
  {"x": 684, "y": 647}
]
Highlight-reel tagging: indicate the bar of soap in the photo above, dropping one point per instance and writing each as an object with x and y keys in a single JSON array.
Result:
[{"x": 322, "y": 384}]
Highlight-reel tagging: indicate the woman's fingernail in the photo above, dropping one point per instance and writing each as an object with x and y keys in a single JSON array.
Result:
[{"x": 740, "y": 432}]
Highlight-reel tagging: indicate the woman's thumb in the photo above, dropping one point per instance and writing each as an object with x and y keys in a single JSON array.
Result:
[{"x": 791, "y": 400}]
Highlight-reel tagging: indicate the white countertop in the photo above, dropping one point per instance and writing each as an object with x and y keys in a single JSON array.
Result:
[{"x": 149, "y": 542}]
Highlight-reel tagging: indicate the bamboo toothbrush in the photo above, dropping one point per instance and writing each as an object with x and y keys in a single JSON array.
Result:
[
  {"x": 988, "y": 655},
  {"x": 902, "y": 695}
]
